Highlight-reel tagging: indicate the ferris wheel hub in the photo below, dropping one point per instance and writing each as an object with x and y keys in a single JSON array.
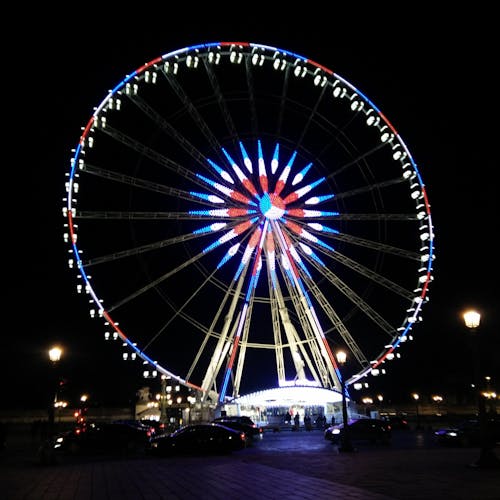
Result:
[{"x": 272, "y": 206}]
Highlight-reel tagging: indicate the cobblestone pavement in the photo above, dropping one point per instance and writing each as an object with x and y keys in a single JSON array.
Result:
[{"x": 301, "y": 464}]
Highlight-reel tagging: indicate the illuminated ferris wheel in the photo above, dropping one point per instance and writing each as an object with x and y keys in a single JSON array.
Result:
[{"x": 236, "y": 213}]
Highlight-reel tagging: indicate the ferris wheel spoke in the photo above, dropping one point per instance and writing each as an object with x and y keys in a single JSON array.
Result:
[
  {"x": 319, "y": 365},
  {"x": 362, "y": 270},
  {"x": 370, "y": 188},
  {"x": 304, "y": 353},
  {"x": 227, "y": 332},
  {"x": 154, "y": 156},
  {"x": 282, "y": 106},
  {"x": 305, "y": 308},
  {"x": 156, "y": 282},
  {"x": 137, "y": 183},
  {"x": 375, "y": 245},
  {"x": 294, "y": 342},
  {"x": 373, "y": 276},
  {"x": 192, "y": 110},
  {"x": 373, "y": 217},
  {"x": 138, "y": 250},
  {"x": 355, "y": 161},
  {"x": 329, "y": 233},
  {"x": 275, "y": 306},
  {"x": 243, "y": 345},
  {"x": 171, "y": 131},
  {"x": 309, "y": 119},
  {"x": 181, "y": 238},
  {"x": 252, "y": 108},
  {"x": 221, "y": 101},
  {"x": 338, "y": 325},
  {"x": 131, "y": 215},
  {"x": 356, "y": 299},
  {"x": 178, "y": 311}
]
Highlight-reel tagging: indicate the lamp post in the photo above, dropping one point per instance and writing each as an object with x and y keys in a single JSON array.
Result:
[
  {"x": 191, "y": 401},
  {"x": 438, "y": 400},
  {"x": 487, "y": 457},
  {"x": 416, "y": 397},
  {"x": 345, "y": 440},
  {"x": 380, "y": 399},
  {"x": 81, "y": 413},
  {"x": 55, "y": 354},
  {"x": 163, "y": 399},
  {"x": 489, "y": 393},
  {"x": 367, "y": 401}
]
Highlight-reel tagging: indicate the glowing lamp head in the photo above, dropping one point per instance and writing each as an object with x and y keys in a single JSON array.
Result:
[
  {"x": 341, "y": 357},
  {"x": 472, "y": 319},
  {"x": 55, "y": 354}
]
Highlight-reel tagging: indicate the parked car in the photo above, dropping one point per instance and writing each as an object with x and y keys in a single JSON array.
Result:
[
  {"x": 372, "y": 430},
  {"x": 397, "y": 422},
  {"x": 241, "y": 423},
  {"x": 160, "y": 427},
  {"x": 468, "y": 433},
  {"x": 200, "y": 439},
  {"x": 96, "y": 439},
  {"x": 147, "y": 426}
]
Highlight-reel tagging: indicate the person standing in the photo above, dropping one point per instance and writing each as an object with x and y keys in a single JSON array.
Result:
[
  {"x": 296, "y": 421},
  {"x": 307, "y": 422},
  {"x": 288, "y": 418}
]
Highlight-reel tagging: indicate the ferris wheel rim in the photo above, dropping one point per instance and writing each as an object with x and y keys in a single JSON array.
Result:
[{"x": 322, "y": 72}]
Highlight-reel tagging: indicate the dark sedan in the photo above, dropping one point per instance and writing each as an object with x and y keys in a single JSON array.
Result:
[
  {"x": 398, "y": 423},
  {"x": 241, "y": 423},
  {"x": 97, "y": 439},
  {"x": 468, "y": 433},
  {"x": 363, "y": 429},
  {"x": 199, "y": 439}
]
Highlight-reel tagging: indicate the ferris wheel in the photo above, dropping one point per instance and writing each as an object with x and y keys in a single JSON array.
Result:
[{"x": 237, "y": 213}]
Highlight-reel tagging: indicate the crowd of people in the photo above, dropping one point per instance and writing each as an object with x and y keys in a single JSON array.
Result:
[{"x": 320, "y": 421}]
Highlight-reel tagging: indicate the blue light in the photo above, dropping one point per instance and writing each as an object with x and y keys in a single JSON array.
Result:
[{"x": 265, "y": 203}]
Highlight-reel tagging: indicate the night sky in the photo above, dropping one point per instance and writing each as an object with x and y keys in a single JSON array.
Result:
[{"x": 430, "y": 73}]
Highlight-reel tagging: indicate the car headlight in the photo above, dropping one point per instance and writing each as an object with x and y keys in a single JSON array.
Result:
[{"x": 336, "y": 431}]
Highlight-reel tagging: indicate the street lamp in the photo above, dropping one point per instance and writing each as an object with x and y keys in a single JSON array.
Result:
[
  {"x": 81, "y": 413},
  {"x": 55, "y": 354},
  {"x": 367, "y": 401},
  {"x": 163, "y": 399},
  {"x": 345, "y": 440},
  {"x": 487, "y": 457},
  {"x": 416, "y": 397},
  {"x": 380, "y": 399},
  {"x": 438, "y": 400}
]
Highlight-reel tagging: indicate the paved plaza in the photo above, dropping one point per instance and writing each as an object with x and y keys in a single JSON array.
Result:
[{"x": 282, "y": 465}]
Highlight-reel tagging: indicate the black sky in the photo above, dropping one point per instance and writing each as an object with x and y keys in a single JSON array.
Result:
[{"x": 431, "y": 73}]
